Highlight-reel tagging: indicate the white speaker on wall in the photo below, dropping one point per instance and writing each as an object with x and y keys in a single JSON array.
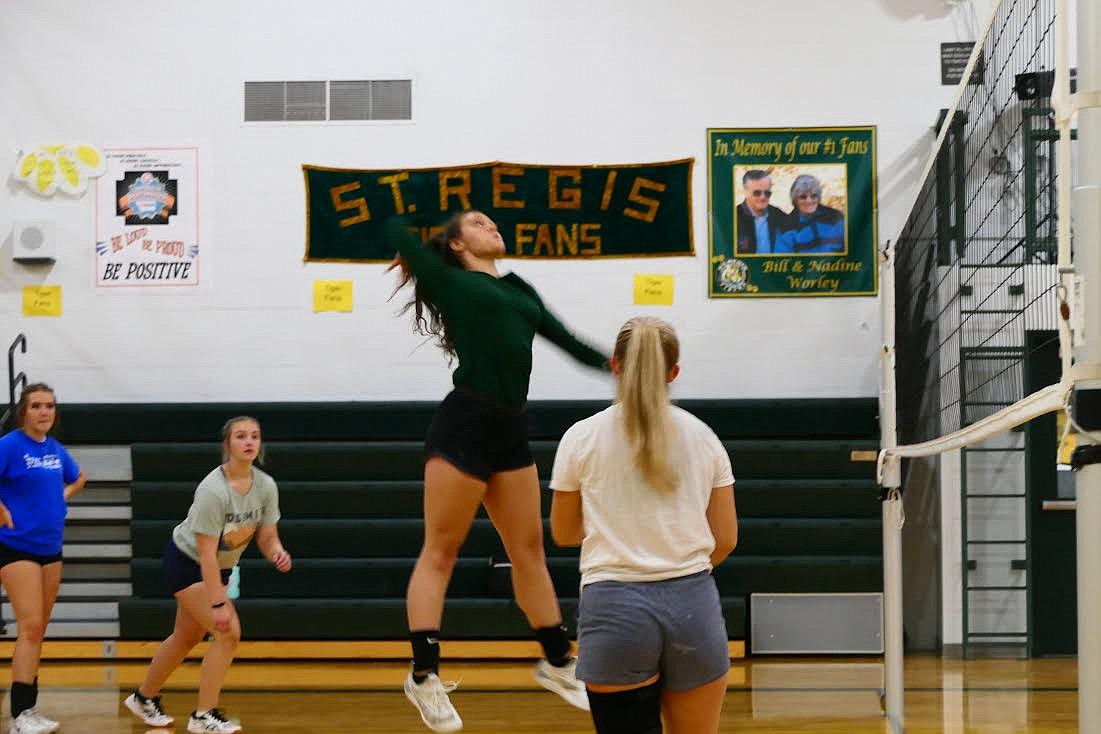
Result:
[{"x": 33, "y": 241}]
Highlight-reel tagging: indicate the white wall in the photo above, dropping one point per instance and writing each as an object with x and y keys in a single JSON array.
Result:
[{"x": 572, "y": 81}]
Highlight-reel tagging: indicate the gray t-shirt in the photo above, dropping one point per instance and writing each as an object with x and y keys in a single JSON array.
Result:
[{"x": 219, "y": 511}]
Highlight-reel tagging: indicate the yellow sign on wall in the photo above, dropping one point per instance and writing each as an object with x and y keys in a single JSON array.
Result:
[
  {"x": 42, "y": 300},
  {"x": 653, "y": 290},
  {"x": 332, "y": 295}
]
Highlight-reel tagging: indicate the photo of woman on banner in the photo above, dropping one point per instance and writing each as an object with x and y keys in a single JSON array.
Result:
[
  {"x": 813, "y": 227},
  {"x": 759, "y": 223}
]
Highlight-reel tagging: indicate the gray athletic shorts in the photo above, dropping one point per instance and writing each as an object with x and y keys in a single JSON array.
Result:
[{"x": 629, "y": 632}]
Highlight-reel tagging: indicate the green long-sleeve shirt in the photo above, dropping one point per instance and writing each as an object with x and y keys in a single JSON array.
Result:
[{"x": 491, "y": 321}]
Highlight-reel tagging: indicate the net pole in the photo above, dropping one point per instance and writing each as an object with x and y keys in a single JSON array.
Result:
[
  {"x": 890, "y": 480},
  {"x": 1087, "y": 214},
  {"x": 890, "y": 471},
  {"x": 893, "y": 677},
  {"x": 1063, "y": 109}
]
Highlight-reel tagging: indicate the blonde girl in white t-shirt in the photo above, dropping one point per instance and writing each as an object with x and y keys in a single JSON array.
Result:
[{"x": 646, "y": 489}]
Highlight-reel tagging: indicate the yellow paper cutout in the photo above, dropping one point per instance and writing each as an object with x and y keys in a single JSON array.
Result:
[
  {"x": 42, "y": 300},
  {"x": 68, "y": 171},
  {"x": 28, "y": 164},
  {"x": 332, "y": 295},
  {"x": 77, "y": 165},
  {"x": 89, "y": 156},
  {"x": 44, "y": 182},
  {"x": 653, "y": 290}
]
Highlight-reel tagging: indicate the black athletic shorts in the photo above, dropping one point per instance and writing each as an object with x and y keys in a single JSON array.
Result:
[
  {"x": 478, "y": 434},
  {"x": 11, "y": 555},
  {"x": 180, "y": 571}
]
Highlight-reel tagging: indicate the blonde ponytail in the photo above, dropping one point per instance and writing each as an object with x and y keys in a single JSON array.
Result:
[{"x": 646, "y": 349}]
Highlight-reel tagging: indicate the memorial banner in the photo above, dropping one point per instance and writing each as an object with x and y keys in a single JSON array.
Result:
[{"x": 792, "y": 212}]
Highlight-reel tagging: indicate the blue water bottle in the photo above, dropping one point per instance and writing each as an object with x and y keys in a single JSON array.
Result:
[{"x": 234, "y": 590}]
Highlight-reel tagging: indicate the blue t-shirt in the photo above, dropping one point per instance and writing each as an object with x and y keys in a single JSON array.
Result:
[
  {"x": 33, "y": 476},
  {"x": 764, "y": 244}
]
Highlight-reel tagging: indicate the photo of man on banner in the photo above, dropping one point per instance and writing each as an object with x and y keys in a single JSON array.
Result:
[{"x": 759, "y": 222}]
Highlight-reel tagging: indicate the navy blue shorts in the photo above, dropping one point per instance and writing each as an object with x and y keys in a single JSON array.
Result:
[
  {"x": 479, "y": 435},
  {"x": 180, "y": 571},
  {"x": 630, "y": 632},
  {"x": 11, "y": 555}
]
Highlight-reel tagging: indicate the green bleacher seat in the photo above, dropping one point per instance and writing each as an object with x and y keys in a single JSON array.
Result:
[
  {"x": 127, "y": 423},
  {"x": 351, "y": 496},
  {"x": 376, "y": 578},
  {"x": 391, "y": 460},
  {"x": 367, "y": 619}
]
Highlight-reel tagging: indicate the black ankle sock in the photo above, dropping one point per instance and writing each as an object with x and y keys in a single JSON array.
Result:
[
  {"x": 419, "y": 678},
  {"x": 556, "y": 646},
  {"x": 426, "y": 653},
  {"x": 22, "y": 697}
]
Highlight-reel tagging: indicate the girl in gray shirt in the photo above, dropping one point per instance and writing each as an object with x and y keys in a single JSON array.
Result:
[{"x": 232, "y": 503}]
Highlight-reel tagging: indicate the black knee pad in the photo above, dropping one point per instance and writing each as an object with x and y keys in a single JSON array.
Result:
[{"x": 637, "y": 711}]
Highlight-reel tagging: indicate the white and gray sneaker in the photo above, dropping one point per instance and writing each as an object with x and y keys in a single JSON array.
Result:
[
  {"x": 50, "y": 724},
  {"x": 149, "y": 710},
  {"x": 212, "y": 722},
  {"x": 563, "y": 681},
  {"x": 32, "y": 722},
  {"x": 430, "y": 698}
]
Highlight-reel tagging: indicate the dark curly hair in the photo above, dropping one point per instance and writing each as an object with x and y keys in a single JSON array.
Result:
[{"x": 427, "y": 318}]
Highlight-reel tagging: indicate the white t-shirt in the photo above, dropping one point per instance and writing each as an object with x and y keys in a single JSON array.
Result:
[
  {"x": 634, "y": 532},
  {"x": 219, "y": 511}
]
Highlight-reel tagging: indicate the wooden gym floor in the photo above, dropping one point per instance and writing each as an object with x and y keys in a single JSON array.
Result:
[{"x": 774, "y": 695}]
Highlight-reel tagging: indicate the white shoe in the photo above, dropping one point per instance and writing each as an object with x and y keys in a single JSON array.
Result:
[
  {"x": 430, "y": 698},
  {"x": 50, "y": 723},
  {"x": 212, "y": 722},
  {"x": 148, "y": 710},
  {"x": 31, "y": 722},
  {"x": 563, "y": 681}
]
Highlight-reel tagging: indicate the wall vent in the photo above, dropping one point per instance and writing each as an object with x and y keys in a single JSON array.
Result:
[{"x": 320, "y": 101}]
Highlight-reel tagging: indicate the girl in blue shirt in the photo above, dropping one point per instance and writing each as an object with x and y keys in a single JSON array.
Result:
[{"x": 37, "y": 478}]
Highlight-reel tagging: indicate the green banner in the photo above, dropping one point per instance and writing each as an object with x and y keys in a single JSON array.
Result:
[
  {"x": 793, "y": 212},
  {"x": 556, "y": 212}
]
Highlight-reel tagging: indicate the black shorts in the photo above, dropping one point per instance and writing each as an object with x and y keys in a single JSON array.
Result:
[
  {"x": 180, "y": 571},
  {"x": 479, "y": 435},
  {"x": 11, "y": 555}
]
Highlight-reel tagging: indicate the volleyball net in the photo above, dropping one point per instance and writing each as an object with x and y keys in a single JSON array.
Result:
[{"x": 978, "y": 289}]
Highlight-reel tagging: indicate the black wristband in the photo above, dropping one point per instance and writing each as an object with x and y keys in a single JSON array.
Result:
[{"x": 219, "y": 605}]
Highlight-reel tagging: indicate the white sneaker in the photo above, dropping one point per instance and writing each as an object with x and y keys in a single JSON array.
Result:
[
  {"x": 51, "y": 725},
  {"x": 212, "y": 722},
  {"x": 148, "y": 710},
  {"x": 31, "y": 722},
  {"x": 563, "y": 681},
  {"x": 430, "y": 698}
]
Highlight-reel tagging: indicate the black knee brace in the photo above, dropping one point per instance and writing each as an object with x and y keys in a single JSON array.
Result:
[{"x": 637, "y": 711}]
